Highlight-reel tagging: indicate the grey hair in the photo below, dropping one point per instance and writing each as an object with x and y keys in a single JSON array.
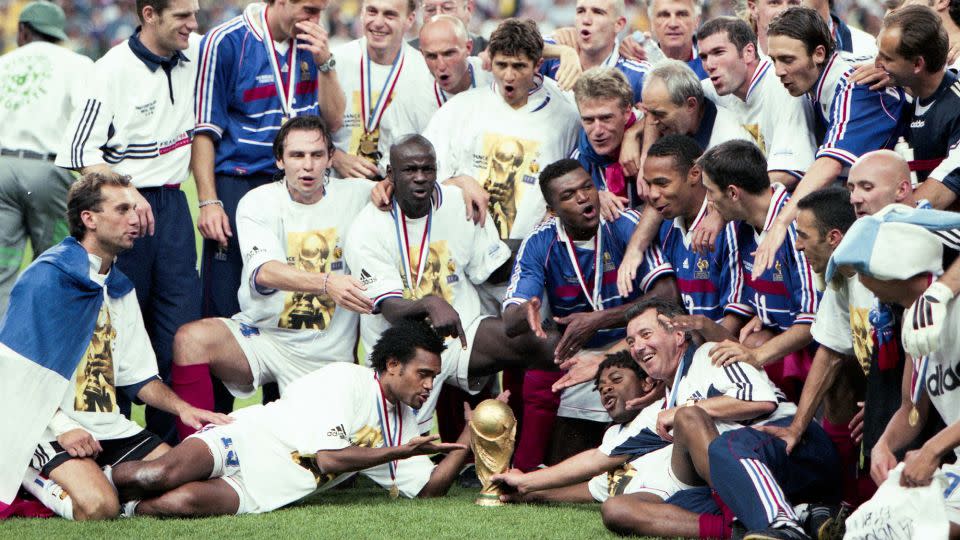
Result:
[
  {"x": 681, "y": 81},
  {"x": 697, "y": 9}
]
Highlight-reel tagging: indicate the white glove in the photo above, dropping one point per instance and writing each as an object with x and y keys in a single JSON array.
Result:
[{"x": 923, "y": 322}]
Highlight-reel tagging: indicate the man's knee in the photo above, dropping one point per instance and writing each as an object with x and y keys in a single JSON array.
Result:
[
  {"x": 93, "y": 504},
  {"x": 195, "y": 342},
  {"x": 623, "y": 515},
  {"x": 689, "y": 421}
]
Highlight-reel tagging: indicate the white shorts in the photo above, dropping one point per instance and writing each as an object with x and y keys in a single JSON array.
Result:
[
  {"x": 269, "y": 358},
  {"x": 455, "y": 371},
  {"x": 951, "y": 494},
  {"x": 649, "y": 473}
]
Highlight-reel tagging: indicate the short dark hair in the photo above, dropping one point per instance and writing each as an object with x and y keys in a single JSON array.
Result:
[
  {"x": 831, "y": 209},
  {"x": 515, "y": 37},
  {"x": 736, "y": 163},
  {"x": 86, "y": 194},
  {"x": 803, "y": 24},
  {"x": 621, "y": 359},
  {"x": 682, "y": 148},
  {"x": 921, "y": 34},
  {"x": 738, "y": 32},
  {"x": 158, "y": 5},
  {"x": 307, "y": 122},
  {"x": 401, "y": 342},
  {"x": 667, "y": 308},
  {"x": 553, "y": 171}
]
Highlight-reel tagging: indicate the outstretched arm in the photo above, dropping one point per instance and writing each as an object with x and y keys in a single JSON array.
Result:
[
  {"x": 447, "y": 470},
  {"x": 572, "y": 470},
  {"x": 357, "y": 458}
]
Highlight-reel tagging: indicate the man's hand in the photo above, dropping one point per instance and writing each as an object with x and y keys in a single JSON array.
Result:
[
  {"x": 706, "y": 232},
  {"x": 532, "y": 308},
  {"x": 445, "y": 320},
  {"x": 197, "y": 418},
  {"x": 856, "y": 425},
  {"x": 314, "y": 40},
  {"x": 80, "y": 443},
  {"x": 870, "y": 74},
  {"x": 728, "y": 352},
  {"x": 512, "y": 482},
  {"x": 214, "y": 224},
  {"x": 424, "y": 445},
  {"x": 579, "y": 369},
  {"x": 611, "y": 205},
  {"x": 923, "y": 322},
  {"x": 381, "y": 194},
  {"x": 627, "y": 272},
  {"x": 766, "y": 253},
  {"x": 475, "y": 198},
  {"x": 580, "y": 327},
  {"x": 570, "y": 69},
  {"x": 882, "y": 461},
  {"x": 665, "y": 423},
  {"x": 655, "y": 393},
  {"x": 347, "y": 292},
  {"x": 145, "y": 213},
  {"x": 753, "y": 326},
  {"x": 918, "y": 467},
  {"x": 631, "y": 155},
  {"x": 789, "y": 435},
  {"x": 682, "y": 323},
  {"x": 630, "y": 49},
  {"x": 350, "y": 166},
  {"x": 566, "y": 36}
]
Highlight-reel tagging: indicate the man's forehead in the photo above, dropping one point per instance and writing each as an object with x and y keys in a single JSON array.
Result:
[
  {"x": 413, "y": 154},
  {"x": 511, "y": 59},
  {"x": 673, "y": 5}
]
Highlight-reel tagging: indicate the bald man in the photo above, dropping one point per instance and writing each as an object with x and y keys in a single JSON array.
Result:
[
  {"x": 852, "y": 325},
  {"x": 446, "y": 46}
]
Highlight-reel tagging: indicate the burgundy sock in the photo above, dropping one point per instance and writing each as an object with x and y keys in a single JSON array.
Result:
[
  {"x": 714, "y": 526},
  {"x": 193, "y": 384},
  {"x": 539, "y": 413}
]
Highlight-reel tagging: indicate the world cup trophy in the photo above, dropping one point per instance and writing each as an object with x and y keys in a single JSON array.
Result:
[{"x": 494, "y": 431}]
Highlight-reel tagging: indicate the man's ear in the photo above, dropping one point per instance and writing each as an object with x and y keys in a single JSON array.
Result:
[
  {"x": 693, "y": 175},
  {"x": 393, "y": 366}
]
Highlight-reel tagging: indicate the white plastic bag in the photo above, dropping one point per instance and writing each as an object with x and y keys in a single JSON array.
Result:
[{"x": 897, "y": 512}]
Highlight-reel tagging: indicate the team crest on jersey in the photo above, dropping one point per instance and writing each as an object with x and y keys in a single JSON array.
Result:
[
  {"x": 607, "y": 262},
  {"x": 304, "y": 71},
  {"x": 686, "y": 264},
  {"x": 310, "y": 251},
  {"x": 777, "y": 272},
  {"x": 703, "y": 269}
]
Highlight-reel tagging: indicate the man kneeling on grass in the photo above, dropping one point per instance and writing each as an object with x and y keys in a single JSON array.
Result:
[
  {"x": 336, "y": 421},
  {"x": 612, "y": 469}
]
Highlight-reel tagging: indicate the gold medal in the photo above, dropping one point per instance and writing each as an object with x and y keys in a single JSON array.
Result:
[
  {"x": 394, "y": 491},
  {"x": 283, "y": 120},
  {"x": 369, "y": 144},
  {"x": 914, "y": 416}
]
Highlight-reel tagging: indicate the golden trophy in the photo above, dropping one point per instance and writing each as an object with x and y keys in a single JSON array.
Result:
[{"x": 494, "y": 431}]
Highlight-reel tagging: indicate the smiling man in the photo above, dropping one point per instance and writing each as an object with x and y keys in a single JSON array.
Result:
[
  {"x": 331, "y": 424},
  {"x": 298, "y": 301},
  {"x": 387, "y": 88},
  {"x": 77, "y": 341}
]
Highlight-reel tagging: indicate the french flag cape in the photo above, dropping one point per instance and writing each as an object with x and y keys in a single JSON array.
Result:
[{"x": 48, "y": 326}]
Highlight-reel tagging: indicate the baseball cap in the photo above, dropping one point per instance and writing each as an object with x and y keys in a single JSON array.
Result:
[
  {"x": 46, "y": 18},
  {"x": 898, "y": 242}
]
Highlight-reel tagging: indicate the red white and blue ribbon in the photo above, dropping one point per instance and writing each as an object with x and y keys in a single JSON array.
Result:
[
  {"x": 373, "y": 116},
  {"x": 403, "y": 242},
  {"x": 592, "y": 294},
  {"x": 442, "y": 96},
  {"x": 286, "y": 97},
  {"x": 388, "y": 434}
]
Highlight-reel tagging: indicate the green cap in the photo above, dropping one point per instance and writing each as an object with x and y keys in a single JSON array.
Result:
[{"x": 46, "y": 18}]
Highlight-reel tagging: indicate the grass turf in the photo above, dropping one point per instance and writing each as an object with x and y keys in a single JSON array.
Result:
[{"x": 364, "y": 511}]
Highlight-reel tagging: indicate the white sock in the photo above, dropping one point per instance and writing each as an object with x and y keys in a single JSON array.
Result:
[
  {"x": 108, "y": 472},
  {"x": 129, "y": 508},
  {"x": 49, "y": 493}
]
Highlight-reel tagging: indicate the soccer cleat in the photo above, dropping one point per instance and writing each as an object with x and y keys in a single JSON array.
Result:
[
  {"x": 827, "y": 522},
  {"x": 787, "y": 532},
  {"x": 468, "y": 477}
]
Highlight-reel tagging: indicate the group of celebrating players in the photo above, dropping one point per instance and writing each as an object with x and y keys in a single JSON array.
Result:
[{"x": 733, "y": 240}]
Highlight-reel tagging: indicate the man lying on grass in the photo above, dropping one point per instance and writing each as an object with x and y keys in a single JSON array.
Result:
[
  {"x": 599, "y": 473},
  {"x": 338, "y": 420}
]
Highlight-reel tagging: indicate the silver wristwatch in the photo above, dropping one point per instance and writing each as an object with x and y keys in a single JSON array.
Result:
[{"x": 327, "y": 66}]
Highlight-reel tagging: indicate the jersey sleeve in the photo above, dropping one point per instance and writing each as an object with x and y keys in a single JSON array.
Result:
[
  {"x": 737, "y": 380},
  {"x": 370, "y": 258},
  {"x": 257, "y": 234},
  {"x": 832, "y": 326},
  {"x": 549, "y": 66},
  {"x": 489, "y": 252},
  {"x": 89, "y": 127},
  {"x": 948, "y": 172},
  {"x": 135, "y": 360},
  {"x": 860, "y": 121},
  {"x": 805, "y": 298},
  {"x": 529, "y": 272},
  {"x": 736, "y": 302},
  {"x": 788, "y": 148},
  {"x": 216, "y": 77}
]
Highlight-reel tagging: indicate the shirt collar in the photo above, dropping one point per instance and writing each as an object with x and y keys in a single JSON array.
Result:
[
  {"x": 562, "y": 233},
  {"x": 832, "y": 71},
  {"x": 681, "y": 226},
  {"x": 778, "y": 196},
  {"x": 94, "y": 266},
  {"x": 762, "y": 67},
  {"x": 151, "y": 60}
]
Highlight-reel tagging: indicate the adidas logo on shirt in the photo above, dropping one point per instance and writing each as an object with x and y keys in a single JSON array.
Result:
[{"x": 365, "y": 277}]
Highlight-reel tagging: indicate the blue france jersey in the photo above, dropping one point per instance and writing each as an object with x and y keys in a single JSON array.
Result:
[
  {"x": 857, "y": 120},
  {"x": 236, "y": 101},
  {"x": 785, "y": 294},
  {"x": 543, "y": 265},
  {"x": 634, "y": 71},
  {"x": 712, "y": 284}
]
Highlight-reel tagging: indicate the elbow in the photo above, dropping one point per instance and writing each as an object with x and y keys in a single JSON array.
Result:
[
  {"x": 765, "y": 408},
  {"x": 328, "y": 464}
]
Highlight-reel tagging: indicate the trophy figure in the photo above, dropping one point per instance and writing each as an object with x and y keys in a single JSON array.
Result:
[{"x": 494, "y": 431}]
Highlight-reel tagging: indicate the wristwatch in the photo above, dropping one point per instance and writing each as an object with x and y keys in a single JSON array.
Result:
[{"x": 327, "y": 66}]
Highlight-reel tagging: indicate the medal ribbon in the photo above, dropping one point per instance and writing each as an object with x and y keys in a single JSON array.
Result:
[
  {"x": 593, "y": 296},
  {"x": 442, "y": 96},
  {"x": 403, "y": 242},
  {"x": 286, "y": 98},
  {"x": 385, "y": 428},
  {"x": 916, "y": 382},
  {"x": 675, "y": 388},
  {"x": 372, "y": 117}
]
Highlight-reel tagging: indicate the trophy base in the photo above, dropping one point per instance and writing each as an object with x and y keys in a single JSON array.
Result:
[{"x": 488, "y": 499}]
